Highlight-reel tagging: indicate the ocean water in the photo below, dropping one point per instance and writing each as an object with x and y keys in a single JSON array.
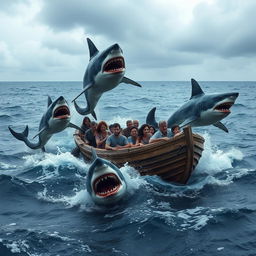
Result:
[{"x": 45, "y": 208}]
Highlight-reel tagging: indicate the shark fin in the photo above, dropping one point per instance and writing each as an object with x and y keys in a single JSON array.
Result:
[
  {"x": 94, "y": 154},
  {"x": 43, "y": 149},
  {"x": 188, "y": 121},
  {"x": 94, "y": 115},
  {"x": 39, "y": 132},
  {"x": 221, "y": 126},
  {"x": 71, "y": 125},
  {"x": 130, "y": 81},
  {"x": 92, "y": 48},
  {"x": 49, "y": 101},
  {"x": 151, "y": 120},
  {"x": 19, "y": 136},
  {"x": 196, "y": 89},
  {"x": 88, "y": 86}
]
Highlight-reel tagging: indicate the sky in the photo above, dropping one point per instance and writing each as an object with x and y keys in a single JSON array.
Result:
[{"x": 162, "y": 40}]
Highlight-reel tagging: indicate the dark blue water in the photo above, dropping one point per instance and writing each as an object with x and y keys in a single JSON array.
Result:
[{"x": 45, "y": 208}]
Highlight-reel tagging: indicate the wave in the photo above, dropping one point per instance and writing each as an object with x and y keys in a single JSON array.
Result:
[
  {"x": 79, "y": 196},
  {"x": 112, "y": 108},
  {"x": 4, "y": 118},
  {"x": 33, "y": 242}
]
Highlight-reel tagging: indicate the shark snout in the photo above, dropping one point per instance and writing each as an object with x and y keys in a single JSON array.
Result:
[
  {"x": 116, "y": 47},
  {"x": 61, "y": 100},
  {"x": 232, "y": 96},
  {"x": 235, "y": 95}
]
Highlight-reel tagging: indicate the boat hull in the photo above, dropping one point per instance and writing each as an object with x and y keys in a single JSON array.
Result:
[{"x": 173, "y": 160}]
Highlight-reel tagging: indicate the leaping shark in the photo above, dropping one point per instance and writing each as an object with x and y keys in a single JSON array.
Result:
[
  {"x": 201, "y": 109},
  {"x": 104, "y": 72},
  {"x": 56, "y": 119},
  {"x": 105, "y": 183}
]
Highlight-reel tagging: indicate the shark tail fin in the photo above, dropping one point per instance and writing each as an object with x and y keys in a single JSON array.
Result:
[
  {"x": 81, "y": 111},
  {"x": 92, "y": 48},
  {"x": 94, "y": 154},
  {"x": 19, "y": 136},
  {"x": 151, "y": 120}
]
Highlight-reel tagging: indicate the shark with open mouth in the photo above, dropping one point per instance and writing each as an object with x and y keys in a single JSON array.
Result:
[
  {"x": 105, "y": 183},
  {"x": 104, "y": 72},
  {"x": 200, "y": 110},
  {"x": 55, "y": 119}
]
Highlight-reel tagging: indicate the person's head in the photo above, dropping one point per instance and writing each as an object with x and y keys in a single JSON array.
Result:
[
  {"x": 93, "y": 125},
  {"x": 163, "y": 126},
  {"x": 144, "y": 130},
  {"x": 129, "y": 124},
  {"x": 152, "y": 129},
  {"x": 134, "y": 131},
  {"x": 175, "y": 129},
  {"x": 102, "y": 126},
  {"x": 86, "y": 121},
  {"x": 116, "y": 129},
  {"x": 135, "y": 123},
  {"x": 111, "y": 128}
]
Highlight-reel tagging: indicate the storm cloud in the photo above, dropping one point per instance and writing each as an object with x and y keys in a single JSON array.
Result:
[{"x": 161, "y": 40}]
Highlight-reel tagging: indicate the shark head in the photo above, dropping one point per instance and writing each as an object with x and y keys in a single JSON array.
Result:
[
  {"x": 219, "y": 104},
  {"x": 58, "y": 114},
  {"x": 210, "y": 108},
  {"x": 215, "y": 107},
  {"x": 105, "y": 182},
  {"x": 106, "y": 64}
]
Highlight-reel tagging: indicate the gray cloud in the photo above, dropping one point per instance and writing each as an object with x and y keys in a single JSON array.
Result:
[
  {"x": 11, "y": 6},
  {"x": 159, "y": 38},
  {"x": 222, "y": 31}
]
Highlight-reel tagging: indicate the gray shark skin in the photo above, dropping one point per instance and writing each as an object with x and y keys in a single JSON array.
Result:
[
  {"x": 104, "y": 72},
  {"x": 201, "y": 109},
  {"x": 105, "y": 183},
  {"x": 55, "y": 119}
]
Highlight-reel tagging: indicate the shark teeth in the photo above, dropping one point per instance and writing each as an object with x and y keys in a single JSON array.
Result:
[
  {"x": 114, "y": 65},
  {"x": 106, "y": 185},
  {"x": 61, "y": 112},
  {"x": 224, "y": 107}
]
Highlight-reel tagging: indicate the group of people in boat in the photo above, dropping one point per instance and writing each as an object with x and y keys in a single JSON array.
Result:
[{"x": 113, "y": 137}]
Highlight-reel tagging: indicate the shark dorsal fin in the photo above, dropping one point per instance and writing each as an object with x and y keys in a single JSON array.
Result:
[
  {"x": 92, "y": 48},
  {"x": 94, "y": 154},
  {"x": 196, "y": 89},
  {"x": 49, "y": 101}
]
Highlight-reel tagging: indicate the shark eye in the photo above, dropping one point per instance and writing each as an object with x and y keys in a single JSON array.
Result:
[
  {"x": 106, "y": 185},
  {"x": 61, "y": 112},
  {"x": 114, "y": 65}
]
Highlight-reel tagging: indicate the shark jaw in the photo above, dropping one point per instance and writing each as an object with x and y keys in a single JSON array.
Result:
[
  {"x": 107, "y": 185},
  {"x": 61, "y": 112},
  {"x": 114, "y": 65},
  {"x": 224, "y": 107}
]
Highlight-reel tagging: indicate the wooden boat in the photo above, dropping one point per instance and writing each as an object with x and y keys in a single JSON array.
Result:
[{"x": 173, "y": 160}]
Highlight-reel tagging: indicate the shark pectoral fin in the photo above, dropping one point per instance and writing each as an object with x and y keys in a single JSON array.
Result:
[
  {"x": 75, "y": 127},
  {"x": 130, "y": 81},
  {"x": 94, "y": 115},
  {"x": 221, "y": 126},
  {"x": 39, "y": 132},
  {"x": 88, "y": 86},
  {"x": 188, "y": 121}
]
